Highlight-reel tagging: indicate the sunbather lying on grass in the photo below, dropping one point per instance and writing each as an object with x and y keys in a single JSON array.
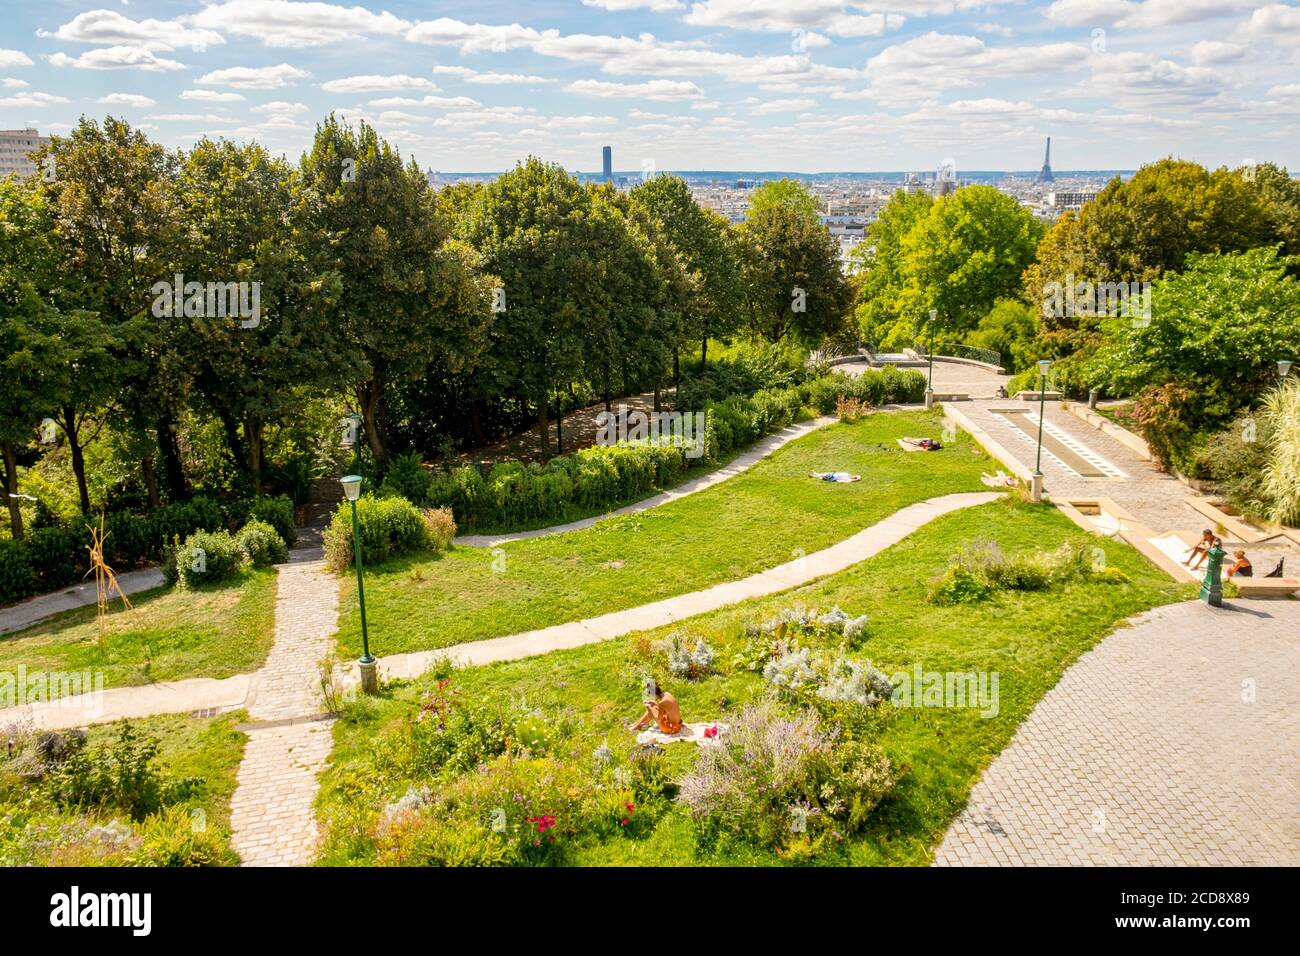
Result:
[{"x": 840, "y": 476}]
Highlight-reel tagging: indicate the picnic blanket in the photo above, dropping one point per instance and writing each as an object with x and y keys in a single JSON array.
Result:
[{"x": 695, "y": 733}]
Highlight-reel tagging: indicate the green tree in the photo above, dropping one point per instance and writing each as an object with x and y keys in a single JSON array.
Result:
[
  {"x": 793, "y": 281},
  {"x": 375, "y": 223},
  {"x": 969, "y": 250},
  {"x": 34, "y": 361},
  {"x": 243, "y": 213},
  {"x": 535, "y": 230},
  {"x": 117, "y": 230},
  {"x": 789, "y": 193},
  {"x": 878, "y": 279},
  {"x": 709, "y": 253},
  {"x": 1008, "y": 329}
]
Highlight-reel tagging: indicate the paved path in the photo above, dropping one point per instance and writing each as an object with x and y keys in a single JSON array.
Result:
[
  {"x": 1153, "y": 497},
  {"x": 837, "y": 557},
  {"x": 1172, "y": 742},
  {"x": 272, "y": 819},
  {"x": 734, "y": 467},
  {"x": 37, "y": 609}
]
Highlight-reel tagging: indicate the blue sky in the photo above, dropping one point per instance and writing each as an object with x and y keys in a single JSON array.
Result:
[{"x": 672, "y": 84}]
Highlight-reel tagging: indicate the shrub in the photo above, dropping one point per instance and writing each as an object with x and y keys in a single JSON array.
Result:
[
  {"x": 17, "y": 578},
  {"x": 278, "y": 513},
  {"x": 407, "y": 477},
  {"x": 441, "y": 525},
  {"x": 261, "y": 544},
  {"x": 980, "y": 569},
  {"x": 388, "y": 527},
  {"x": 784, "y": 782},
  {"x": 58, "y": 556},
  {"x": 169, "y": 838},
  {"x": 123, "y": 776},
  {"x": 207, "y": 557},
  {"x": 685, "y": 658}
]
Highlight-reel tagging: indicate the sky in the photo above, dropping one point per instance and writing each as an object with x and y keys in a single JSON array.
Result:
[{"x": 796, "y": 85}]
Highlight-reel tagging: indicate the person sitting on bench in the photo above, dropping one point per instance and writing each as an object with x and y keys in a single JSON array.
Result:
[{"x": 1241, "y": 566}]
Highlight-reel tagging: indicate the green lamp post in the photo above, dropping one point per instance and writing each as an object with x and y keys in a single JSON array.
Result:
[
  {"x": 369, "y": 666},
  {"x": 1212, "y": 586},
  {"x": 929, "y": 353},
  {"x": 1037, "y": 490}
]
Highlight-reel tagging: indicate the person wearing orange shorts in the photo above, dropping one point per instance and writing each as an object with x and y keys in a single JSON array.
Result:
[{"x": 662, "y": 709}]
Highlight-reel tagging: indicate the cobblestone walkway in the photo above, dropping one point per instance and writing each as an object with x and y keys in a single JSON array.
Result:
[
  {"x": 1173, "y": 742},
  {"x": 272, "y": 818}
]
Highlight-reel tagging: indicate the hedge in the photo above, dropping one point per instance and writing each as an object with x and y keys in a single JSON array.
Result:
[
  {"x": 388, "y": 527},
  {"x": 56, "y": 556}
]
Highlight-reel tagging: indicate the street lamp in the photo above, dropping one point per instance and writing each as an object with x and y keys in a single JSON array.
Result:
[
  {"x": 1283, "y": 368},
  {"x": 369, "y": 666},
  {"x": 929, "y": 384},
  {"x": 1037, "y": 490}
]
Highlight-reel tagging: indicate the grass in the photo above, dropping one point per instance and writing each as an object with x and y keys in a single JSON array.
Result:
[
  {"x": 766, "y": 516},
  {"x": 34, "y": 830},
  {"x": 213, "y": 631},
  {"x": 1120, "y": 414},
  {"x": 1029, "y": 638}
]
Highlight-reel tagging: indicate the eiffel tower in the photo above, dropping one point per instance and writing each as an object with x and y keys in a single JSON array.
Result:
[{"x": 1046, "y": 175}]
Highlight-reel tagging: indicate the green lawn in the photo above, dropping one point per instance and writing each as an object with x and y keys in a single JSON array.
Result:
[
  {"x": 1029, "y": 638},
  {"x": 193, "y": 827},
  {"x": 759, "y": 519},
  {"x": 169, "y": 634}
]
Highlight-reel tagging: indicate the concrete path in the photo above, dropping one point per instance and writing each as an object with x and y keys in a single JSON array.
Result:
[
  {"x": 741, "y": 463},
  {"x": 837, "y": 557},
  {"x": 1172, "y": 742},
  {"x": 34, "y": 610}
]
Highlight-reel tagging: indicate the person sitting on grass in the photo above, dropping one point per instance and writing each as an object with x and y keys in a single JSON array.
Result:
[
  {"x": 1200, "y": 550},
  {"x": 840, "y": 476},
  {"x": 1242, "y": 565},
  {"x": 661, "y": 707}
]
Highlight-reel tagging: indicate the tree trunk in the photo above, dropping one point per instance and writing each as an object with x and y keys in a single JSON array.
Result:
[
  {"x": 238, "y": 449},
  {"x": 656, "y": 397},
  {"x": 677, "y": 368},
  {"x": 173, "y": 472},
  {"x": 370, "y": 397},
  {"x": 11, "y": 489},
  {"x": 704, "y": 352},
  {"x": 543, "y": 442},
  {"x": 150, "y": 480},
  {"x": 253, "y": 435},
  {"x": 559, "y": 424},
  {"x": 78, "y": 459},
  {"x": 476, "y": 423}
]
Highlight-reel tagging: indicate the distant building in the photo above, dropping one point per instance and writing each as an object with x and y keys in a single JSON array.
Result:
[
  {"x": 1070, "y": 200},
  {"x": 1046, "y": 175},
  {"x": 16, "y": 148},
  {"x": 608, "y": 155},
  {"x": 912, "y": 184}
]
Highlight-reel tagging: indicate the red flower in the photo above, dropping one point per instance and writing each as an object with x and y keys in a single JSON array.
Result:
[
  {"x": 710, "y": 732},
  {"x": 623, "y": 822},
  {"x": 629, "y": 807}
]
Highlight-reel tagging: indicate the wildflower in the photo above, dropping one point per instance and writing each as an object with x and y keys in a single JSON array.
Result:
[{"x": 623, "y": 822}]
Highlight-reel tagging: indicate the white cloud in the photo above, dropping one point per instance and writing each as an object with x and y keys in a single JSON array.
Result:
[
  {"x": 506, "y": 79},
  {"x": 995, "y": 29},
  {"x": 111, "y": 28},
  {"x": 616, "y": 6},
  {"x": 1140, "y": 80},
  {"x": 1210, "y": 52},
  {"x": 925, "y": 65},
  {"x": 661, "y": 90},
  {"x": 784, "y": 106},
  {"x": 1276, "y": 22},
  {"x": 1285, "y": 91},
  {"x": 460, "y": 71},
  {"x": 784, "y": 16},
  {"x": 128, "y": 99},
  {"x": 450, "y": 102},
  {"x": 32, "y": 99},
  {"x": 211, "y": 96},
  {"x": 14, "y": 58},
  {"x": 475, "y": 37},
  {"x": 9, "y": 83},
  {"x": 189, "y": 118},
  {"x": 375, "y": 83},
  {"x": 254, "y": 77},
  {"x": 289, "y": 24},
  {"x": 280, "y": 107},
  {"x": 1144, "y": 14},
  {"x": 117, "y": 58}
]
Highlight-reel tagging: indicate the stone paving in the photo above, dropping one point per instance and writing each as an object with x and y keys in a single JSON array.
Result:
[
  {"x": 1153, "y": 497},
  {"x": 1172, "y": 742},
  {"x": 272, "y": 816}
]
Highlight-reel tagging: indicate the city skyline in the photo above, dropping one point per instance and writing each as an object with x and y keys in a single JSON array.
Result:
[{"x": 804, "y": 86}]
